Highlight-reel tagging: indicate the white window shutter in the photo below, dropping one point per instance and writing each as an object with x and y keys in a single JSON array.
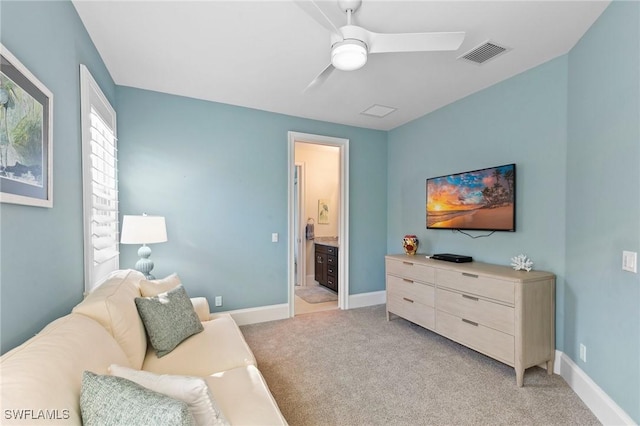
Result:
[{"x": 100, "y": 182}]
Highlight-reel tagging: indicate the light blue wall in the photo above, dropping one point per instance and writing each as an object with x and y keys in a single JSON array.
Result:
[
  {"x": 218, "y": 173},
  {"x": 602, "y": 302},
  {"x": 572, "y": 126},
  {"x": 41, "y": 271},
  {"x": 521, "y": 120}
]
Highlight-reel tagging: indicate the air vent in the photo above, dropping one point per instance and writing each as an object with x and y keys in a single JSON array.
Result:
[
  {"x": 378, "y": 111},
  {"x": 486, "y": 51}
]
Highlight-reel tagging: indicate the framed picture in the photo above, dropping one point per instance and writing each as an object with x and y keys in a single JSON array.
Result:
[
  {"x": 26, "y": 145},
  {"x": 323, "y": 211}
]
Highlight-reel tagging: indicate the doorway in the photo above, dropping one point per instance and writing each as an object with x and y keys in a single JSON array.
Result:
[
  {"x": 304, "y": 209},
  {"x": 299, "y": 249}
]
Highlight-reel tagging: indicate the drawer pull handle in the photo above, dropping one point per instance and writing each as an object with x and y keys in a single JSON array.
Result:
[
  {"x": 466, "y": 274},
  {"x": 470, "y": 297},
  {"x": 408, "y": 263},
  {"x": 408, "y": 300},
  {"x": 407, "y": 281},
  {"x": 475, "y": 324}
]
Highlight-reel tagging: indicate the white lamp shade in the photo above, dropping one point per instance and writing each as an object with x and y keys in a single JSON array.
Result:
[
  {"x": 349, "y": 55},
  {"x": 143, "y": 230}
]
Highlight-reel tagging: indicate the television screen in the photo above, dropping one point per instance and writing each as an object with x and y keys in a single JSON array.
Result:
[{"x": 481, "y": 200}]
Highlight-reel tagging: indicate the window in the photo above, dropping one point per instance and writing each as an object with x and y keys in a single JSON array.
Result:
[{"x": 100, "y": 182}]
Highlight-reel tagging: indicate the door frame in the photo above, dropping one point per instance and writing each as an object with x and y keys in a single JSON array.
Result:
[
  {"x": 343, "y": 252},
  {"x": 302, "y": 249}
]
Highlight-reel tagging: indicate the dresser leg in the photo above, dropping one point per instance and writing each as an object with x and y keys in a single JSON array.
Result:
[
  {"x": 519, "y": 377},
  {"x": 550, "y": 367}
]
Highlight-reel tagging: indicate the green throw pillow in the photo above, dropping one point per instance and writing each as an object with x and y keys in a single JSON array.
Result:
[
  {"x": 169, "y": 318},
  {"x": 111, "y": 400}
]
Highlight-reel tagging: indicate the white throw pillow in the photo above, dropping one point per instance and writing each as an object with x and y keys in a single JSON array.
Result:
[
  {"x": 150, "y": 288},
  {"x": 192, "y": 390}
]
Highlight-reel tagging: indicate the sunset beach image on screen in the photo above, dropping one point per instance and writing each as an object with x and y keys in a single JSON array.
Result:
[{"x": 477, "y": 200}]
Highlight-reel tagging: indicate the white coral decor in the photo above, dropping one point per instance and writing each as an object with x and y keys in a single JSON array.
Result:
[{"x": 521, "y": 262}]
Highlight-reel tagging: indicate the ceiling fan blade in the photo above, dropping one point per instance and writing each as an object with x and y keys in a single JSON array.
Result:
[
  {"x": 414, "y": 42},
  {"x": 312, "y": 9},
  {"x": 321, "y": 78}
]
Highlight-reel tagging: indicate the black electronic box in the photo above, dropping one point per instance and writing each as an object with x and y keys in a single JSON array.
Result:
[{"x": 452, "y": 257}]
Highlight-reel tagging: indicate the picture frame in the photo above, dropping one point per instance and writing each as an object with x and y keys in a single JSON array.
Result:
[
  {"x": 323, "y": 211},
  {"x": 26, "y": 135}
]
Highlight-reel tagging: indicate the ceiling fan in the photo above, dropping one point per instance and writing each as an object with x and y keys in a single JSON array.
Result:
[{"x": 351, "y": 44}]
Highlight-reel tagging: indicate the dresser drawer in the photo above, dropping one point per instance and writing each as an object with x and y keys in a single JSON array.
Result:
[
  {"x": 490, "y": 314},
  {"x": 476, "y": 284},
  {"x": 491, "y": 342},
  {"x": 412, "y": 290},
  {"x": 415, "y": 312},
  {"x": 326, "y": 249},
  {"x": 332, "y": 269},
  {"x": 332, "y": 283},
  {"x": 410, "y": 270}
]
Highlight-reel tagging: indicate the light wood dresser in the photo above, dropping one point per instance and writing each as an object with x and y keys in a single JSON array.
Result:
[{"x": 502, "y": 313}]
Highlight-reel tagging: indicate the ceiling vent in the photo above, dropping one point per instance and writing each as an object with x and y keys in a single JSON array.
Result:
[
  {"x": 483, "y": 53},
  {"x": 378, "y": 111}
]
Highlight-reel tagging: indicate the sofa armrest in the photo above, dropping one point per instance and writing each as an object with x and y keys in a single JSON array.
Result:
[{"x": 201, "y": 305}]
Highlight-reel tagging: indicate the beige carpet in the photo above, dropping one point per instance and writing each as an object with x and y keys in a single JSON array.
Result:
[
  {"x": 316, "y": 294},
  {"x": 302, "y": 307},
  {"x": 355, "y": 368}
]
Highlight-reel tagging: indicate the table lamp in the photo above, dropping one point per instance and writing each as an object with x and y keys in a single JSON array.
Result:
[{"x": 143, "y": 230}]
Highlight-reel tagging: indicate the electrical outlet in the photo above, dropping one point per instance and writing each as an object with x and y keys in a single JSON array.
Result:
[
  {"x": 583, "y": 352},
  {"x": 274, "y": 237},
  {"x": 218, "y": 300},
  {"x": 630, "y": 261}
]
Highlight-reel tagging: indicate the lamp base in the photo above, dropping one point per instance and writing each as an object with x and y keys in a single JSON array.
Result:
[{"x": 144, "y": 264}]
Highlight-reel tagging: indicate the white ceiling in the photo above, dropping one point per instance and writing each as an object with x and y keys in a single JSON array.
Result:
[{"x": 262, "y": 54}]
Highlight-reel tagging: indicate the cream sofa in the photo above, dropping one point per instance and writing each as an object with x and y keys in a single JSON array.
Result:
[{"x": 41, "y": 379}]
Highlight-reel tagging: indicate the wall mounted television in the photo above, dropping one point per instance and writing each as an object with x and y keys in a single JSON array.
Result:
[{"x": 479, "y": 200}]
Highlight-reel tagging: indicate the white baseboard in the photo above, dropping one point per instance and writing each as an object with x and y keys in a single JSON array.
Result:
[
  {"x": 277, "y": 312},
  {"x": 602, "y": 406},
  {"x": 557, "y": 362},
  {"x": 367, "y": 299},
  {"x": 260, "y": 314}
]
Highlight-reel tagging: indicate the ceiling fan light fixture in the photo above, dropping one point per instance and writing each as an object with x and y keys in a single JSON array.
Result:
[{"x": 349, "y": 55}]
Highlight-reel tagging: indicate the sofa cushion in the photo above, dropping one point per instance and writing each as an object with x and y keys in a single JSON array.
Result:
[
  {"x": 219, "y": 347},
  {"x": 149, "y": 288},
  {"x": 45, "y": 372},
  {"x": 243, "y": 387},
  {"x": 111, "y": 400},
  {"x": 192, "y": 390},
  {"x": 201, "y": 306},
  {"x": 112, "y": 305},
  {"x": 169, "y": 318}
]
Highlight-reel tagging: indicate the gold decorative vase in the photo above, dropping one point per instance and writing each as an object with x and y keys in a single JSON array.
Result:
[{"x": 410, "y": 244}]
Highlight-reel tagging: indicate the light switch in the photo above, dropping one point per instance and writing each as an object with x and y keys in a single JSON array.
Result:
[
  {"x": 630, "y": 261},
  {"x": 274, "y": 237}
]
